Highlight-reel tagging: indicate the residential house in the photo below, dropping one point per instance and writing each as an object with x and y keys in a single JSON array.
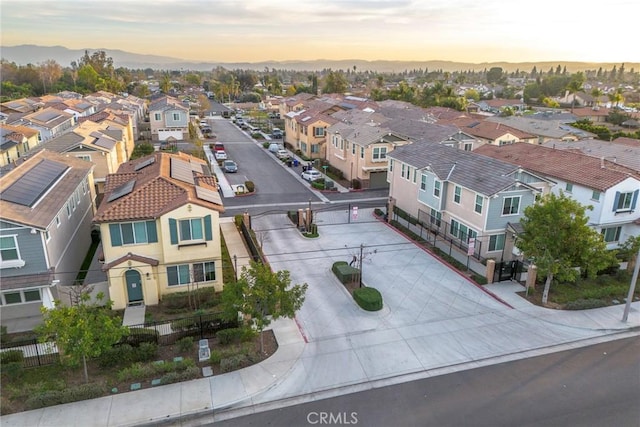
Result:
[
  {"x": 544, "y": 129},
  {"x": 610, "y": 188},
  {"x": 159, "y": 222},
  {"x": 168, "y": 119},
  {"x": 493, "y": 133},
  {"x": 15, "y": 142},
  {"x": 46, "y": 208},
  {"x": 50, "y": 122},
  {"x": 95, "y": 143},
  {"x": 119, "y": 122},
  {"x": 468, "y": 198},
  {"x": 623, "y": 151},
  {"x": 310, "y": 133},
  {"x": 593, "y": 114}
]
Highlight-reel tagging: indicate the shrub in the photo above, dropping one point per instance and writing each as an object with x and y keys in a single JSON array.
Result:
[
  {"x": 145, "y": 352},
  {"x": 71, "y": 394},
  {"x": 237, "y": 219},
  {"x": 185, "y": 344},
  {"x": 12, "y": 370},
  {"x": 344, "y": 272},
  {"x": 378, "y": 212},
  {"x": 116, "y": 355},
  {"x": 190, "y": 373},
  {"x": 481, "y": 280},
  {"x": 368, "y": 299},
  {"x": 138, "y": 336},
  {"x": 266, "y": 144},
  {"x": 232, "y": 363},
  {"x": 251, "y": 187},
  {"x": 585, "y": 304},
  {"x": 313, "y": 231},
  {"x": 216, "y": 356},
  {"x": 11, "y": 356}
]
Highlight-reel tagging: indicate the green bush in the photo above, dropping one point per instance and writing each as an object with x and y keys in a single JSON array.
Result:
[
  {"x": 378, "y": 212},
  {"x": 344, "y": 272},
  {"x": 190, "y": 373},
  {"x": 11, "y": 356},
  {"x": 137, "y": 336},
  {"x": 251, "y": 187},
  {"x": 59, "y": 397},
  {"x": 117, "y": 355},
  {"x": 12, "y": 370},
  {"x": 481, "y": 280},
  {"x": 368, "y": 299},
  {"x": 4, "y": 336},
  {"x": 232, "y": 363},
  {"x": 206, "y": 297},
  {"x": 215, "y": 357},
  {"x": 313, "y": 231},
  {"x": 185, "y": 344},
  {"x": 266, "y": 144},
  {"x": 228, "y": 336},
  {"x": 237, "y": 219},
  {"x": 585, "y": 304},
  {"x": 145, "y": 352}
]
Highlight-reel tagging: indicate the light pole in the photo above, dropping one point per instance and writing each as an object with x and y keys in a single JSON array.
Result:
[{"x": 632, "y": 288}]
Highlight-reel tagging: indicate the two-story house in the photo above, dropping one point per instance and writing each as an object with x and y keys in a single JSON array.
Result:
[
  {"x": 493, "y": 133},
  {"x": 46, "y": 209},
  {"x": 99, "y": 143},
  {"x": 159, "y": 222},
  {"x": 50, "y": 122},
  {"x": 463, "y": 195},
  {"x": 609, "y": 188},
  {"x": 168, "y": 118},
  {"x": 16, "y": 141}
]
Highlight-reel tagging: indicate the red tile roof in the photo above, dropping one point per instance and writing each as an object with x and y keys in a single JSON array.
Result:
[{"x": 591, "y": 172}]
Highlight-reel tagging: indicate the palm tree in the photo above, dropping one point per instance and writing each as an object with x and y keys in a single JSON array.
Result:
[
  {"x": 596, "y": 93},
  {"x": 575, "y": 85},
  {"x": 616, "y": 97}
]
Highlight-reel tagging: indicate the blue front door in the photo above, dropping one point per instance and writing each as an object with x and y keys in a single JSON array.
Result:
[{"x": 134, "y": 286}]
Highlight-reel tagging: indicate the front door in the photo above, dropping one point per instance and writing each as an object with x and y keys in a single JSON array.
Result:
[{"x": 134, "y": 286}]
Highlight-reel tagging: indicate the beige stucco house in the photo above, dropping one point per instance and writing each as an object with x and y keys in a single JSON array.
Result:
[
  {"x": 159, "y": 223},
  {"x": 16, "y": 141}
]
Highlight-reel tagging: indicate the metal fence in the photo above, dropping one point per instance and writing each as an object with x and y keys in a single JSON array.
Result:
[
  {"x": 251, "y": 244},
  {"x": 34, "y": 353}
]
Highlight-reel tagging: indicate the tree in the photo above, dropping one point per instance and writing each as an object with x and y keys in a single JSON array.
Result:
[
  {"x": 165, "y": 83},
  {"x": 335, "y": 83},
  {"x": 50, "y": 71},
  {"x": 142, "y": 149},
  {"x": 495, "y": 75},
  {"x": 557, "y": 238},
  {"x": 81, "y": 331},
  {"x": 575, "y": 86},
  {"x": 262, "y": 295}
]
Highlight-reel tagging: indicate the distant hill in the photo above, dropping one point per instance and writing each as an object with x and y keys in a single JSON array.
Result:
[{"x": 25, "y": 54}]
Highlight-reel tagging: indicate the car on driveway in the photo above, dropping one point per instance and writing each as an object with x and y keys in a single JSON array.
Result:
[
  {"x": 283, "y": 154},
  {"x": 230, "y": 166},
  {"x": 220, "y": 155},
  {"x": 311, "y": 175}
]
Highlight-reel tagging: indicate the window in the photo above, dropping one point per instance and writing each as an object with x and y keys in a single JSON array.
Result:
[
  {"x": 353, "y": 149},
  {"x": 415, "y": 175},
  {"x": 13, "y": 298},
  {"x": 9, "y": 249},
  {"x": 457, "y": 192},
  {"x": 204, "y": 272},
  {"x": 611, "y": 234},
  {"x": 379, "y": 153},
  {"x": 68, "y": 207},
  {"x": 496, "y": 242},
  {"x": 568, "y": 187},
  {"x": 362, "y": 152},
  {"x": 47, "y": 236},
  {"x": 435, "y": 217},
  {"x": 468, "y": 146},
  {"x": 403, "y": 169},
  {"x": 157, "y": 116},
  {"x": 133, "y": 233},
  {"x": 461, "y": 231},
  {"x": 595, "y": 195},
  {"x": 176, "y": 116},
  {"x": 511, "y": 206},
  {"x": 423, "y": 183},
  {"x": 318, "y": 132},
  {"x": 57, "y": 220},
  {"x": 31, "y": 295},
  {"x": 391, "y": 165},
  {"x": 85, "y": 186},
  {"x": 191, "y": 229},
  {"x": 84, "y": 157},
  {"x": 625, "y": 201},
  {"x": 479, "y": 202},
  {"x": 178, "y": 275},
  {"x": 436, "y": 188}
]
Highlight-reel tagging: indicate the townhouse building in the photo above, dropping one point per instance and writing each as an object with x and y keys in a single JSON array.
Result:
[
  {"x": 46, "y": 209},
  {"x": 15, "y": 142},
  {"x": 159, "y": 223},
  {"x": 168, "y": 119}
]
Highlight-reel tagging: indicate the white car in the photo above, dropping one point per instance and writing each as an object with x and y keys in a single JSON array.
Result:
[
  {"x": 283, "y": 154},
  {"x": 311, "y": 175},
  {"x": 220, "y": 155}
]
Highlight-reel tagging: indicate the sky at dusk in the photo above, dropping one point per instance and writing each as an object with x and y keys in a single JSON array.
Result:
[{"x": 280, "y": 30}]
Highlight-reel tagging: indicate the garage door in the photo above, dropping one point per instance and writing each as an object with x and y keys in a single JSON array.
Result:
[{"x": 378, "y": 180}]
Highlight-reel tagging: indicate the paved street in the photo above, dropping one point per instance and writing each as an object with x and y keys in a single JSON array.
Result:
[{"x": 590, "y": 386}]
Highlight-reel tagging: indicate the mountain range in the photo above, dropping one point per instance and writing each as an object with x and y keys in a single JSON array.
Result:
[{"x": 32, "y": 54}]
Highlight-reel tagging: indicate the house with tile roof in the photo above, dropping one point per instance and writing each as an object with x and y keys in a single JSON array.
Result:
[
  {"x": 16, "y": 141},
  {"x": 46, "y": 209},
  {"x": 624, "y": 151},
  {"x": 168, "y": 119},
  {"x": 159, "y": 222},
  {"x": 493, "y": 133},
  {"x": 468, "y": 198},
  {"x": 99, "y": 143},
  {"x": 610, "y": 188},
  {"x": 544, "y": 129}
]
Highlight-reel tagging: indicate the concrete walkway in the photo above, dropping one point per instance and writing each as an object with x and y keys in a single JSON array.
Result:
[{"x": 435, "y": 321}]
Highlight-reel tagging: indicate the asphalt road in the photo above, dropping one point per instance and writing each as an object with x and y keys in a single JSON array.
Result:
[{"x": 597, "y": 385}]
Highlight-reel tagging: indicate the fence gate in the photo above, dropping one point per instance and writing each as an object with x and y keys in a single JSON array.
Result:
[{"x": 508, "y": 270}]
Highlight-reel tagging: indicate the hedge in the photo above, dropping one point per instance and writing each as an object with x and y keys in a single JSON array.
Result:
[
  {"x": 368, "y": 299},
  {"x": 58, "y": 397},
  {"x": 344, "y": 272}
]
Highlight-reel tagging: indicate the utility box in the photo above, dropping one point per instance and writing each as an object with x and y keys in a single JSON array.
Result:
[{"x": 204, "y": 352}]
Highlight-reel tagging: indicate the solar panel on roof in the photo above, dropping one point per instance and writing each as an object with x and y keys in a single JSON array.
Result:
[
  {"x": 121, "y": 191},
  {"x": 47, "y": 116},
  {"x": 208, "y": 195},
  {"x": 181, "y": 170},
  {"x": 28, "y": 189},
  {"x": 144, "y": 164}
]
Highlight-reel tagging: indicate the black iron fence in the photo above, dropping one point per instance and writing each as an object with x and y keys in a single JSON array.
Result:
[
  {"x": 34, "y": 353},
  {"x": 251, "y": 244}
]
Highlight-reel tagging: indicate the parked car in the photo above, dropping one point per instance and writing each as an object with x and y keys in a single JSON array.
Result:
[
  {"x": 274, "y": 147},
  {"x": 276, "y": 133},
  {"x": 219, "y": 146},
  {"x": 230, "y": 166},
  {"x": 220, "y": 155},
  {"x": 311, "y": 175},
  {"x": 283, "y": 154}
]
